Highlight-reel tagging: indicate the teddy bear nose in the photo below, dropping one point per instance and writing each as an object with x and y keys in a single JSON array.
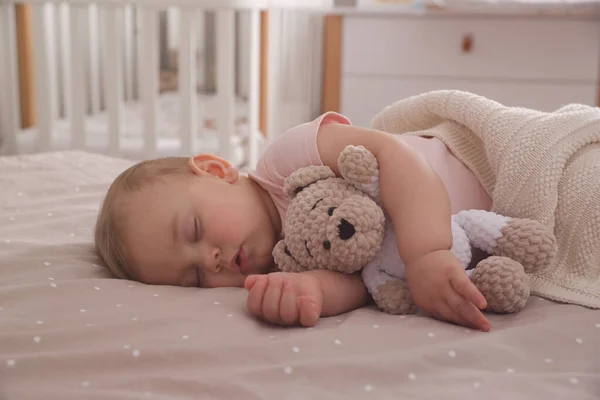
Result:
[{"x": 346, "y": 230}]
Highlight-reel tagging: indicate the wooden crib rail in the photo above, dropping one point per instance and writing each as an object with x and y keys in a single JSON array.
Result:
[
  {"x": 9, "y": 105},
  {"x": 74, "y": 92},
  {"x": 74, "y": 80},
  {"x": 201, "y": 4}
]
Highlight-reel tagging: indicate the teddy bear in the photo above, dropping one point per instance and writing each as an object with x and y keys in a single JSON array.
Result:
[{"x": 338, "y": 223}]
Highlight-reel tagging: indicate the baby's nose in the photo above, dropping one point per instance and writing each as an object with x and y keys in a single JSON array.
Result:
[
  {"x": 346, "y": 230},
  {"x": 216, "y": 254},
  {"x": 211, "y": 258}
]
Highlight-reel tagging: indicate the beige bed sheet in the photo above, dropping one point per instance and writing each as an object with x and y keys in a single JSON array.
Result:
[{"x": 69, "y": 331}]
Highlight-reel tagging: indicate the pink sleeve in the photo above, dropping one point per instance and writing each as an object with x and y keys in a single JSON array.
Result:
[{"x": 295, "y": 148}]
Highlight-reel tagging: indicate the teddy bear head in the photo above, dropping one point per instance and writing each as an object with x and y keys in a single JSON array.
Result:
[{"x": 330, "y": 224}]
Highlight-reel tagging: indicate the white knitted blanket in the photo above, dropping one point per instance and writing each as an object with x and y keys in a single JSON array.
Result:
[{"x": 538, "y": 165}]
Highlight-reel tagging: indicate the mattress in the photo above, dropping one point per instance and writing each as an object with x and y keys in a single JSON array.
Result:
[
  {"x": 168, "y": 121},
  {"x": 70, "y": 331}
]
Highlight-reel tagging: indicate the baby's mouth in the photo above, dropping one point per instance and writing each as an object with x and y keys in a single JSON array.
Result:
[
  {"x": 235, "y": 262},
  {"x": 239, "y": 262}
]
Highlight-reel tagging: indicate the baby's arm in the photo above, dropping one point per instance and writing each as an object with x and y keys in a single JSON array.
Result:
[
  {"x": 419, "y": 207},
  {"x": 285, "y": 298}
]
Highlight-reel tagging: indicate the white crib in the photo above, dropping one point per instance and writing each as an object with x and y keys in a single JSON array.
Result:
[{"x": 96, "y": 80}]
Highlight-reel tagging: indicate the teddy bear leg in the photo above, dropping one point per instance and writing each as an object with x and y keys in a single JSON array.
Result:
[
  {"x": 503, "y": 282},
  {"x": 394, "y": 297},
  {"x": 526, "y": 241},
  {"x": 390, "y": 293}
]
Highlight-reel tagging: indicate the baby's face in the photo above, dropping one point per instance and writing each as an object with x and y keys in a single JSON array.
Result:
[{"x": 199, "y": 231}]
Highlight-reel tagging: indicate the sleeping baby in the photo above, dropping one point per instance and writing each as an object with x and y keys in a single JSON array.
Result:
[{"x": 198, "y": 222}]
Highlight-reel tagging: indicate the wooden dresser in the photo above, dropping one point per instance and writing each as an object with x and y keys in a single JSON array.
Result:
[{"x": 540, "y": 62}]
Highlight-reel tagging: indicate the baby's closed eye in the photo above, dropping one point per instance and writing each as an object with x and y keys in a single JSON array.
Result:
[
  {"x": 193, "y": 230},
  {"x": 196, "y": 230}
]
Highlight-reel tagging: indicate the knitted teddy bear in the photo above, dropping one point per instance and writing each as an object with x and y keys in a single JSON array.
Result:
[{"x": 339, "y": 224}]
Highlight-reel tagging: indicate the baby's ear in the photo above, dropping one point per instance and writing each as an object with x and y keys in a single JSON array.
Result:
[
  {"x": 303, "y": 177},
  {"x": 208, "y": 164},
  {"x": 284, "y": 260}
]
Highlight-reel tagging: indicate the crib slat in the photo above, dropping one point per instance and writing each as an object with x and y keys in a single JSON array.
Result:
[
  {"x": 149, "y": 78},
  {"x": 76, "y": 81},
  {"x": 225, "y": 81},
  {"x": 128, "y": 51},
  {"x": 9, "y": 104},
  {"x": 92, "y": 37},
  {"x": 273, "y": 66},
  {"x": 254, "y": 87},
  {"x": 64, "y": 69},
  {"x": 174, "y": 15},
  {"x": 137, "y": 60},
  {"x": 44, "y": 99},
  {"x": 112, "y": 74},
  {"x": 54, "y": 53},
  {"x": 187, "y": 81},
  {"x": 201, "y": 44}
]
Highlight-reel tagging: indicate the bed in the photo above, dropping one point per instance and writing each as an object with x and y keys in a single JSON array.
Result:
[{"x": 70, "y": 331}]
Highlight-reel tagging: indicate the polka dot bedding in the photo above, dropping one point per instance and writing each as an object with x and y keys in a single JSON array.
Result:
[{"x": 70, "y": 331}]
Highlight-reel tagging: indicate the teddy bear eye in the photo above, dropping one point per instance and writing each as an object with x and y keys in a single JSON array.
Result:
[
  {"x": 331, "y": 210},
  {"x": 327, "y": 245},
  {"x": 315, "y": 205}
]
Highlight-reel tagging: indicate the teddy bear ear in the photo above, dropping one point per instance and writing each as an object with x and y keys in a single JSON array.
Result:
[
  {"x": 284, "y": 260},
  {"x": 303, "y": 177}
]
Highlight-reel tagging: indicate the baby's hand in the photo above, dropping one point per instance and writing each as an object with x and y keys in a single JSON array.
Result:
[
  {"x": 285, "y": 298},
  {"x": 440, "y": 286}
]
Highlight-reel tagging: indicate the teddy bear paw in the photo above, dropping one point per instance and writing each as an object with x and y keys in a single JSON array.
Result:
[
  {"x": 528, "y": 242},
  {"x": 394, "y": 297},
  {"x": 503, "y": 282},
  {"x": 359, "y": 166}
]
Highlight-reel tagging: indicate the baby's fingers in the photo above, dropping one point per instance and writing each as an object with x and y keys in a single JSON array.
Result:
[
  {"x": 256, "y": 294},
  {"x": 444, "y": 312},
  {"x": 309, "y": 311},
  {"x": 288, "y": 309},
  {"x": 468, "y": 314},
  {"x": 272, "y": 299},
  {"x": 251, "y": 280},
  {"x": 463, "y": 285}
]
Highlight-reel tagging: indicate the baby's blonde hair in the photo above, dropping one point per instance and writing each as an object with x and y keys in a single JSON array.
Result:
[{"x": 111, "y": 217}]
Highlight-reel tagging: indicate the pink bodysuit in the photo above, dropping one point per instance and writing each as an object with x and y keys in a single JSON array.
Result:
[{"x": 297, "y": 147}]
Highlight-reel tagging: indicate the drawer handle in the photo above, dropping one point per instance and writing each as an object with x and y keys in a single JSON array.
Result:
[{"x": 467, "y": 43}]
